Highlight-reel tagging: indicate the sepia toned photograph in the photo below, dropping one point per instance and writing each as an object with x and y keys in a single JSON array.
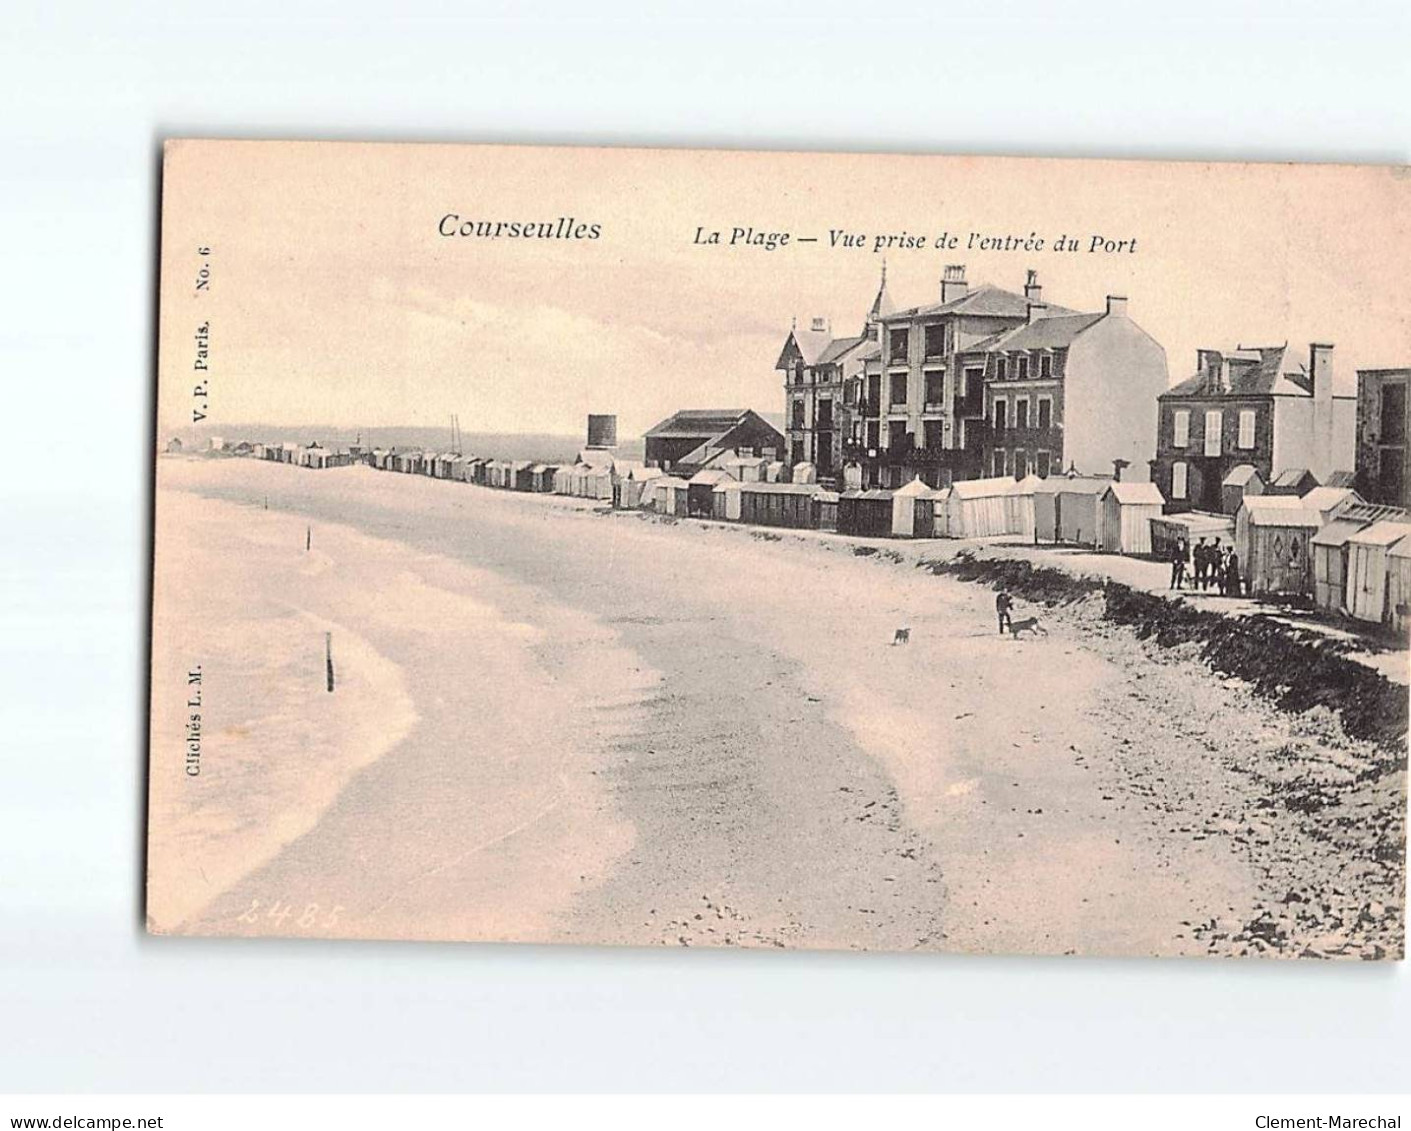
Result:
[{"x": 781, "y": 550}]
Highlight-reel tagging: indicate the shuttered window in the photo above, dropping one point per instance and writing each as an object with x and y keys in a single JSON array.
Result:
[
  {"x": 1181, "y": 427},
  {"x": 1214, "y": 421},
  {"x": 1178, "y": 480},
  {"x": 1246, "y": 428}
]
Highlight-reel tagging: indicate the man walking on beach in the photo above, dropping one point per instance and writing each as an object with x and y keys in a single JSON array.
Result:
[
  {"x": 1214, "y": 559},
  {"x": 1201, "y": 561},
  {"x": 1179, "y": 552},
  {"x": 1003, "y": 603}
]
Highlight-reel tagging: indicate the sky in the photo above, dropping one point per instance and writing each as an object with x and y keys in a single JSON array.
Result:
[{"x": 332, "y": 299}]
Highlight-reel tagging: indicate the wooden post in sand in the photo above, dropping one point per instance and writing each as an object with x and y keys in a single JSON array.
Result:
[
  {"x": 308, "y": 538},
  {"x": 328, "y": 657}
]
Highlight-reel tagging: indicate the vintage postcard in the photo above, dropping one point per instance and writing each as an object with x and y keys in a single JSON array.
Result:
[{"x": 743, "y": 549}]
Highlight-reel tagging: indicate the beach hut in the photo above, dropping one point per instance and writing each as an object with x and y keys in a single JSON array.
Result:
[
  {"x": 1046, "y": 510},
  {"x": 1273, "y": 538},
  {"x": 804, "y": 473},
  {"x": 1075, "y": 508},
  {"x": 865, "y": 513},
  {"x": 825, "y": 510},
  {"x": 1297, "y": 481},
  {"x": 1368, "y": 562},
  {"x": 1330, "y": 562},
  {"x": 977, "y": 507},
  {"x": 1125, "y": 511},
  {"x": 1241, "y": 480},
  {"x": 1167, "y": 529},
  {"x": 633, "y": 488},
  {"x": 913, "y": 511},
  {"x": 773, "y": 471},
  {"x": 940, "y": 508},
  {"x": 777, "y": 504},
  {"x": 746, "y": 469},
  {"x": 1330, "y": 502},
  {"x": 700, "y": 489},
  {"x": 1019, "y": 507},
  {"x": 520, "y": 478},
  {"x": 725, "y": 500},
  {"x": 1398, "y": 611},
  {"x": 541, "y": 477},
  {"x": 671, "y": 495}
]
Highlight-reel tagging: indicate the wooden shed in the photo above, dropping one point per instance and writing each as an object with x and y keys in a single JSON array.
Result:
[
  {"x": 1273, "y": 538},
  {"x": 866, "y": 513},
  {"x": 1019, "y": 506},
  {"x": 1330, "y": 562},
  {"x": 725, "y": 500},
  {"x": 541, "y": 477},
  {"x": 1125, "y": 511},
  {"x": 1241, "y": 480},
  {"x": 633, "y": 488},
  {"x": 699, "y": 496},
  {"x": 1075, "y": 508},
  {"x": 913, "y": 511},
  {"x": 1398, "y": 612},
  {"x": 1368, "y": 564},
  {"x": 1296, "y": 481},
  {"x": 940, "y": 507},
  {"x": 746, "y": 469},
  {"x": 825, "y": 510},
  {"x": 976, "y": 508},
  {"x": 778, "y": 504},
  {"x": 1330, "y": 502}
]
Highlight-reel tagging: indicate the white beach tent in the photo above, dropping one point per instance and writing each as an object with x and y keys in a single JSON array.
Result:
[
  {"x": 1367, "y": 567},
  {"x": 1019, "y": 506},
  {"x": 913, "y": 510},
  {"x": 773, "y": 472},
  {"x": 976, "y": 508},
  {"x": 805, "y": 473},
  {"x": 1125, "y": 511}
]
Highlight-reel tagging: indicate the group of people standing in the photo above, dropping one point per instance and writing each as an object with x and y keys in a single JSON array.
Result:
[{"x": 1211, "y": 566}]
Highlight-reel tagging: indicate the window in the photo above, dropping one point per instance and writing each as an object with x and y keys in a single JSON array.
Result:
[
  {"x": 1021, "y": 464},
  {"x": 874, "y": 393},
  {"x": 998, "y": 469},
  {"x": 971, "y": 379},
  {"x": 1021, "y": 413},
  {"x": 1041, "y": 464},
  {"x": 931, "y": 434},
  {"x": 1046, "y": 365},
  {"x": 797, "y": 419},
  {"x": 897, "y": 340},
  {"x": 825, "y": 414},
  {"x": 896, "y": 436},
  {"x": 1021, "y": 368},
  {"x": 1246, "y": 439},
  {"x": 1001, "y": 422},
  {"x": 798, "y": 373},
  {"x": 935, "y": 386},
  {"x": 936, "y": 340},
  {"x": 1181, "y": 428},
  {"x": 960, "y": 433},
  {"x": 1214, "y": 421},
  {"x": 1045, "y": 412},
  {"x": 1178, "y": 479},
  {"x": 874, "y": 434},
  {"x": 999, "y": 369},
  {"x": 850, "y": 391},
  {"x": 898, "y": 389}
]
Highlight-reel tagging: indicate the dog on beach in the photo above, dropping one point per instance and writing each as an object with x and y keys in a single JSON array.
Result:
[
  {"x": 1028, "y": 624},
  {"x": 903, "y": 636}
]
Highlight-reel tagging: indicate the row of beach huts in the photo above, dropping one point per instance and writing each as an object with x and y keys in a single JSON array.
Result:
[{"x": 1325, "y": 543}]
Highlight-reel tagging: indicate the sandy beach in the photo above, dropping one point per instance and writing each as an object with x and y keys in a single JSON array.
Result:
[{"x": 564, "y": 724}]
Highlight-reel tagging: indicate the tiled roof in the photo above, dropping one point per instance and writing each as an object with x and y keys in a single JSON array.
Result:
[
  {"x": 837, "y": 348},
  {"x": 984, "y": 300},
  {"x": 1054, "y": 332},
  {"x": 1262, "y": 371}
]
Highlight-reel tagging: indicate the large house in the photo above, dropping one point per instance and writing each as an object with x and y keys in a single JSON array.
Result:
[
  {"x": 1383, "y": 421},
  {"x": 1065, "y": 391},
  {"x": 694, "y": 438},
  {"x": 1253, "y": 407},
  {"x": 823, "y": 381}
]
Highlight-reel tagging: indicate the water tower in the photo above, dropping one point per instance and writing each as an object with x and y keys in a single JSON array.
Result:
[{"x": 602, "y": 431}]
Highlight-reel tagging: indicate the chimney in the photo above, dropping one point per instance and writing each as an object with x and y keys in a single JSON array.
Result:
[
  {"x": 1032, "y": 291},
  {"x": 1117, "y": 306},
  {"x": 1209, "y": 363},
  {"x": 1037, "y": 310},
  {"x": 953, "y": 284},
  {"x": 1320, "y": 370},
  {"x": 820, "y": 325}
]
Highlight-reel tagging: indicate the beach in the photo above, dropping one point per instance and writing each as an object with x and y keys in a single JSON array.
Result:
[{"x": 560, "y": 723}]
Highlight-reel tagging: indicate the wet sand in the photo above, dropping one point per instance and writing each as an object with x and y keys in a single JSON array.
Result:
[{"x": 702, "y": 735}]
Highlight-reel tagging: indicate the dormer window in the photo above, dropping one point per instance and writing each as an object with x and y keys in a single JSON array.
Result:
[{"x": 999, "y": 369}]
